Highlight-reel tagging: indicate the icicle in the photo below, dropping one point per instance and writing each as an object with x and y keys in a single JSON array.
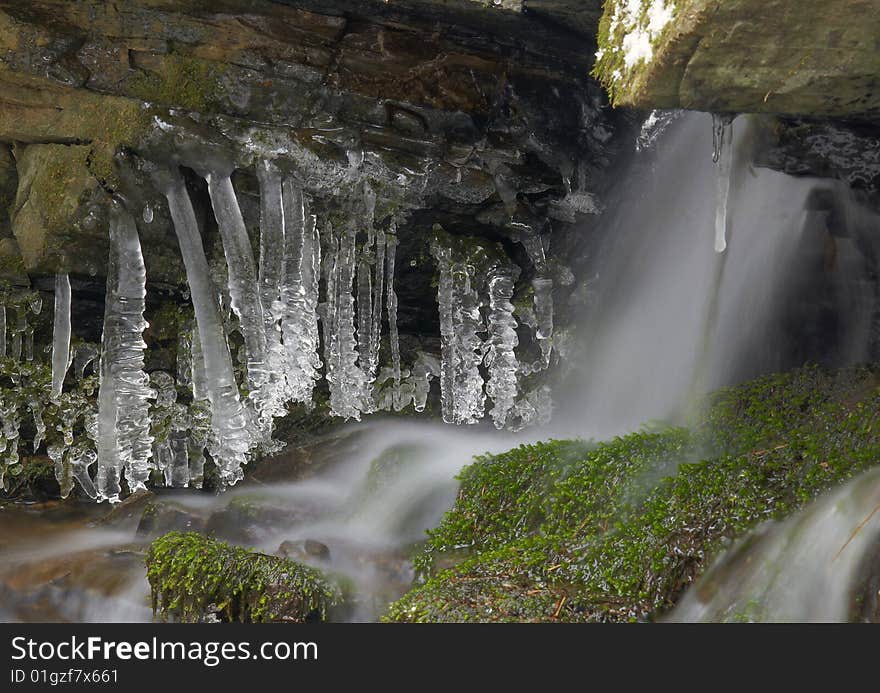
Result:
[
  {"x": 29, "y": 343},
  {"x": 180, "y": 465},
  {"x": 469, "y": 398},
  {"x": 502, "y": 341},
  {"x": 722, "y": 155},
  {"x": 124, "y": 440},
  {"x": 393, "y": 336},
  {"x": 365, "y": 315},
  {"x": 543, "y": 302},
  {"x": 60, "y": 334},
  {"x": 270, "y": 276},
  {"x": 2, "y": 331},
  {"x": 243, "y": 290},
  {"x": 299, "y": 295},
  {"x": 461, "y": 385},
  {"x": 229, "y": 441},
  {"x": 425, "y": 368},
  {"x": 39, "y": 425},
  {"x": 446, "y": 308},
  {"x": 378, "y": 290},
  {"x": 18, "y": 332},
  {"x": 345, "y": 377},
  {"x": 63, "y": 471}
]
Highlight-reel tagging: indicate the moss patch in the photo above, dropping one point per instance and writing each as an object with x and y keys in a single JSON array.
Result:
[
  {"x": 193, "y": 577},
  {"x": 180, "y": 81},
  {"x": 572, "y": 531}
]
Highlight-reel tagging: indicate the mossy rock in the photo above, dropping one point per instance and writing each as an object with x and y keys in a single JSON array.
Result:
[
  {"x": 194, "y": 578},
  {"x": 571, "y": 531}
]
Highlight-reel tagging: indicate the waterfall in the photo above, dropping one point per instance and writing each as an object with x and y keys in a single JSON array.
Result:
[
  {"x": 230, "y": 440},
  {"x": 799, "y": 570},
  {"x": 124, "y": 440},
  {"x": 60, "y": 334}
]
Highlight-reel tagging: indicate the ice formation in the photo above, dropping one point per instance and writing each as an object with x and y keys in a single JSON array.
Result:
[
  {"x": 244, "y": 292},
  {"x": 461, "y": 383},
  {"x": 722, "y": 155},
  {"x": 124, "y": 440},
  {"x": 60, "y": 334},
  {"x": 393, "y": 336},
  {"x": 502, "y": 341},
  {"x": 348, "y": 396},
  {"x": 229, "y": 441},
  {"x": 299, "y": 294}
]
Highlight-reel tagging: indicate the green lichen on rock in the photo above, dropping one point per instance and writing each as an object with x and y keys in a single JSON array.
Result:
[
  {"x": 614, "y": 532},
  {"x": 629, "y": 36},
  {"x": 194, "y": 578},
  {"x": 182, "y": 82},
  {"x": 55, "y": 192}
]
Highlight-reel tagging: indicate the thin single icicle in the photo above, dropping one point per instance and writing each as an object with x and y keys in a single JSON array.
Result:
[
  {"x": 60, "y": 334},
  {"x": 243, "y": 290},
  {"x": 446, "y": 308},
  {"x": 230, "y": 440},
  {"x": 271, "y": 272},
  {"x": 39, "y": 425},
  {"x": 2, "y": 330},
  {"x": 502, "y": 341},
  {"x": 393, "y": 336},
  {"x": 299, "y": 295},
  {"x": 346, "y": 379},
  {"x": 19, "y": 330},
  {"x": 378, "y": 291},
  {"x": 124, "y": 440},
  {"x": 365, "y": 314},
  {"x": 542, "y": 289},
  {"x": 722, "y": 155}
]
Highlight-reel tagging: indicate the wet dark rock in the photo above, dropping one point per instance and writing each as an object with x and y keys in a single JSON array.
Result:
[
  {"x": 161, "y": 516},
  {"x": 304, "y": 550},
  {"x": 248, "y": 519}
]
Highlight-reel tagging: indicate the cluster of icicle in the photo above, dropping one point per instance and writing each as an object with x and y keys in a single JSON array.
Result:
[
  {"x": 478, "y": 333},
  {"x": 142, "y": 426}
]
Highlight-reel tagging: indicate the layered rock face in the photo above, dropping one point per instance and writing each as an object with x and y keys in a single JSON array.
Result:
[
  {"x": 752, "y": 56},
  {"x": 477, "y": 117}
]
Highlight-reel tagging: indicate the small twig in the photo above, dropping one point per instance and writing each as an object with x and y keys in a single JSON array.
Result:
[
  {"x": 559, "y": 606},
  {"x": 857, "y": 530}
]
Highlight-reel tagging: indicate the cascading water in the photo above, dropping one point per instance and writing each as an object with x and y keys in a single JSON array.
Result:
[
  {"x": 672, "y": 319},
  {"x": 803, "y": 569}
]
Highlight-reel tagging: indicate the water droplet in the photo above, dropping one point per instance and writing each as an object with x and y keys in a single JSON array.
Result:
[{"x": 148, "y": 214}]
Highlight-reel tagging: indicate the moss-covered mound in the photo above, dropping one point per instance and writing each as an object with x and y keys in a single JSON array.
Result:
[
  {"x": 573, "y": 531},
  {"x": 194, "y": 578}
]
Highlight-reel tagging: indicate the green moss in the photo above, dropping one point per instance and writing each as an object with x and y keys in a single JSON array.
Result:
[
  {"x": 614, "y": 532},
  {"x": 192, "y": 576},
  {"x": 182, "y": 82},
  {"x": 610, "y": 67}
]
